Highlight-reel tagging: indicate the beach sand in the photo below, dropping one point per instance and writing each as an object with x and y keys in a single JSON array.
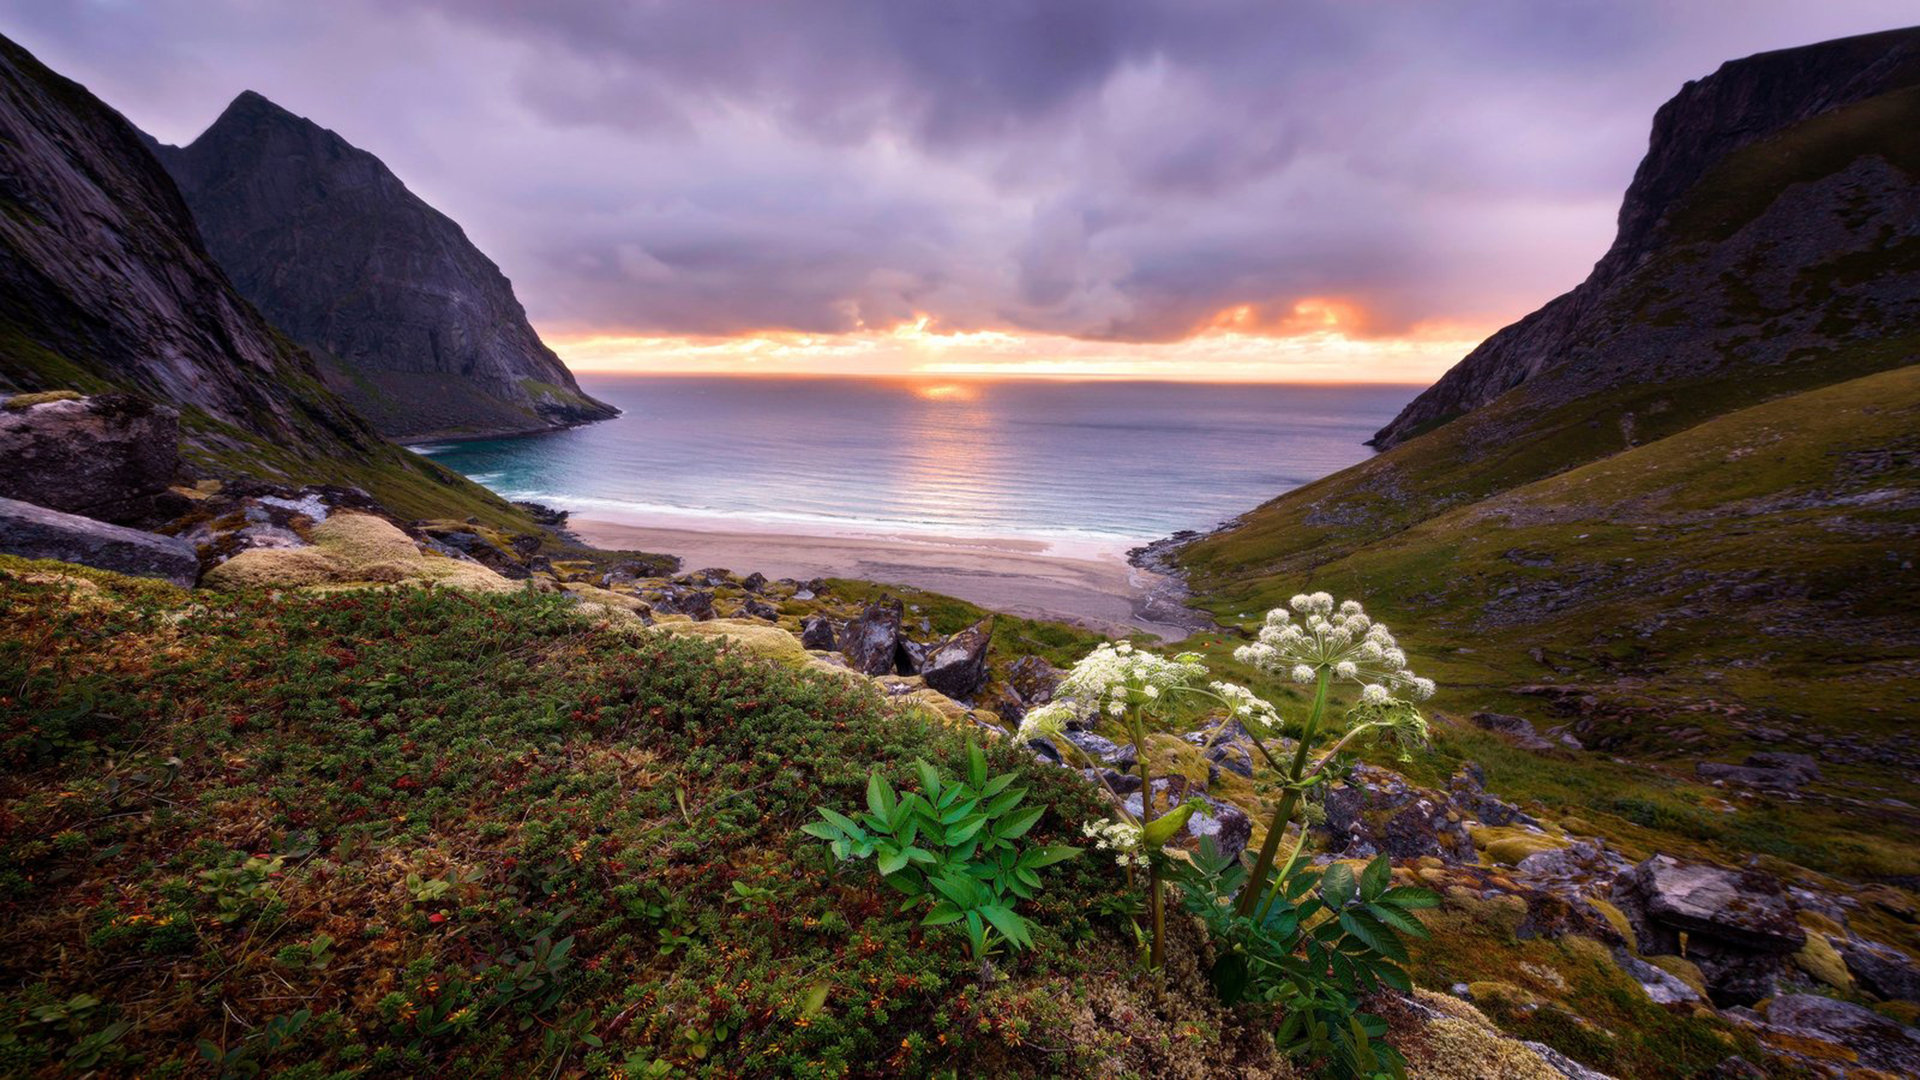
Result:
[{"x": 1093, "y": 588}]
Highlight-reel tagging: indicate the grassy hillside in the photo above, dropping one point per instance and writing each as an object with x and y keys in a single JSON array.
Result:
[{"x": 1752, "y": 571}]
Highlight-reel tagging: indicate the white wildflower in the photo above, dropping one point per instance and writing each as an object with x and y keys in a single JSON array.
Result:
[
  {"x": 1302, "y": 673},
  {"x": 1374, "y": 694},
  {"x": 1340, "y": 639},
  {"x": 1346, "y": 669}
]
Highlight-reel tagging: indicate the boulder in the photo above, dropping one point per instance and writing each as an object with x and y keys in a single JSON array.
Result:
[
  {"x": 1887, "y": 972},
  {"x": 1875, "y": 1041},
  {"x": 957, "y": 667},
  {"x": 909, "y": 655},
  {"x": 1740, "y": 925},
  {"x": 756, "y": 608},
  {"x": 696, "y": 604},
  {"x": 110, "y": 457},
  {"x": 1517, "y": 728},
  {"x": 1033, "y": 679},
  {"x": 36, "y": 532},
  {"x": 873, "y": 638},
  {"x": 817, "y": 633},
  {"x": 754, "y": 582},
  {"x": 1749, "y": 776}
]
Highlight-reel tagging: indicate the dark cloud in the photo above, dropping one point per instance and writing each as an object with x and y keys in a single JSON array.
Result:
[{"x": 1109, "y": 169}]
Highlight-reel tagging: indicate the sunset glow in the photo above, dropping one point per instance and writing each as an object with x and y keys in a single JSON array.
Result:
[{"x": 1242, "y": 344}]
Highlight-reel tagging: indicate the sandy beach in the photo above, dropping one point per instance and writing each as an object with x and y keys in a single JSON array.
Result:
[{"x": 1091, "y": 587}]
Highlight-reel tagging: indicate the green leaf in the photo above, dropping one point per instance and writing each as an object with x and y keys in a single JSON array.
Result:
[
  {"x": 1047, "y": 856},
  {"x": 956, "y": 889},
  {"x": 1016, "y": 824},
  {"x": 942, "y": 914},
  {"x": 1375, "y": 878},
  {"x": 1005, "y": 802},
  {"x": 880, "y": 798},
  {"x": 1409, "y": 897},
  {"x": 846, "y": 824},
  {"x": 1397, "y": 919},
  {"x": 963, "y": 831},
  {"x": 1337, "y": 885},
  {"x": 929, "y": 780},
  {"x": 958, "y": 811},
  {"x": 1011, "y": 926},
  {"x": 892, "y": 861},
  {"x": 919, "y": 855},
  {"x": 976, "y": 766},
  {"x": 821, "y": 829},
  {"x": 998, "y": 784},
  {"x": 1381, "y": 940}
]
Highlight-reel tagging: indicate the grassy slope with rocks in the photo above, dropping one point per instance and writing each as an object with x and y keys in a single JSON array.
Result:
[{"x": 408, "y": 831}]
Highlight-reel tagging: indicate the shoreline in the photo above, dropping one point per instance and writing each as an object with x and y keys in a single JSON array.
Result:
[{"x": 1033, "y": 578}]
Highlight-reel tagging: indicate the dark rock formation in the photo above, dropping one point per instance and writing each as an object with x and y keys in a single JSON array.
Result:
[
  {"x": 872, "y": 639},
  {"x": 111, "y": 457},
  {"x": 425, "y": 333},
  {"x": 1884, "y": 971},
  {"x": 1871, "y": 1040},
  {"x": 1739, "y": 924},
  {"x": 36, "y": 532},
  {"x": 1762, "y": 183},
  {"x": 756, "y": 608},
  {"x": 1784, "y": 772},
  {"x": 957, "y": 667},
  {"x": 104, "y": 283},
  {"x": 817, "y": 633},
  {"x": 1033, "y": 679}
]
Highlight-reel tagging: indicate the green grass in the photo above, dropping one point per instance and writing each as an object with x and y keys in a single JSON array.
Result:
[
  {"x": 457, "y": 785},
  {"x": 1623, "y": 576}
]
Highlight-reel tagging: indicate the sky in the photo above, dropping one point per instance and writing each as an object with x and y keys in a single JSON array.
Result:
[{"x": 1348, "y": 190}]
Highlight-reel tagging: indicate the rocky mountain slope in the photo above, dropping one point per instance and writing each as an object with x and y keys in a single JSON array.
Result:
[
  {"x": 105, "y": 286},
  {"x": 421, "y": 331},
  {"x": 1691, "y": 534},
  {"x": 1771, "y": 222}
]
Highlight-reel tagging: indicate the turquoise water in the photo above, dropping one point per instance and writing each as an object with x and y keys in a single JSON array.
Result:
[{"x": 1104, "y": 462}]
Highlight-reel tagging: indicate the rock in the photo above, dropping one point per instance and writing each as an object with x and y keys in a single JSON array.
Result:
[
  {"x": 909, "y": 655},
  {"x": 1104, "y": 750},
  {"x": 759, "y": 609},
  {"x": 333, "y": 249},
  {"x": 1888, "y": 973},
  {"x": 1517, "y": 728},
  {"x": 110, "y": 457},
  {"x": 352, "y": 549},
  {"x": 872, "y": 639},
  {"x": 1874, "y": 1040},
  {"x": 36, "y": 532},
  {"x": 957, "y": 667},
  {"x": 817, "y": 633},
  {"x": 1662, "y": 986},
  {"x": 1749, "y": 776},
  {"x": 754, "y": 582},
  {"x": 1740, "y": 925},
  {"x": 1803, "y": 764},
  {"x": 1033, "y": 679},
  {"x": 1229, "y": 748},
  {"x": 1740, "y": 907}
]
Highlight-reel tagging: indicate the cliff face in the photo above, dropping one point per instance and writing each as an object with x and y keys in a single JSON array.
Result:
[
  {"x": 1755, "y": 178},
  {"x": 104, "y": 283},
  {"x": 422, "y": 331}
]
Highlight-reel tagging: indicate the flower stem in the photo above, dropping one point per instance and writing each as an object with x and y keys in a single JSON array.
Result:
[
  {"x": 1156, "y": 902},
  {"x": 1251, "y": 892}
]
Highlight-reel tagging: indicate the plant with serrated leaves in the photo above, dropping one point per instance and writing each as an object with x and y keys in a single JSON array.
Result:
[
  {"x": 952, "y": 848},
  {"x": 1318, "y": 942}
]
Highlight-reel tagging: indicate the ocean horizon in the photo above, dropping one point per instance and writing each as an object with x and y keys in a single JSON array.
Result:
[{"x": 1083, "y": 466}]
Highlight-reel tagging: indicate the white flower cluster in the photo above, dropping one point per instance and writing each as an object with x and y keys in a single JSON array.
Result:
[
  {"x": 1120, "y": 837},
  {"x": 1115, "y": 677},
  {"x": 1047, "y": 721},
  {"x": 1253, "y": 712},
  {"x": 1343, "y": 641}
]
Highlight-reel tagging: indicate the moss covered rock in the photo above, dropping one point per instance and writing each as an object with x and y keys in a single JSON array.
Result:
[{"x": 352, "y": 549}]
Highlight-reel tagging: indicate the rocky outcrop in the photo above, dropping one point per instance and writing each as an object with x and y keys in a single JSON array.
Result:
[
  {"x": 111, "y": 456},
  {"x": 35, "y": 532},
  {"x": 1845, "y": 1032},
  {"x": 425, "y": 332},
  {"x": 872, "y": 640},
  {"x": 104, "y": 283},
  {"x": 1776, "y": 180},
  {"x": 816, "y": 632},
  {"x": 957, "y": 667},
  {"x": 1740, "y": 926}
]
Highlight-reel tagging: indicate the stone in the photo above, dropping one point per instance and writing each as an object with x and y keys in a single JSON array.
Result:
[
  {"x": 1516, "y": 728},
  {"x": 754, "y": 582},
  {"x": 817, "y": 633},
  {"x": 872, "y": 639},
  {"x": 957, "y": 667},
  {"x": 110, "y": 457},
  {"x": 697, "y": 604},
  {"x": 1749, "y": 776},
  {"x": 1664, "y": 987},
  {"x": 1803, "y": 764},
  {"x": 756, "y": 608},
  {"x": 1888, "y": 973},
  {"x": 1876, "y": 1041},
  {"x": 1744, "y": 908},
  {"x": 35, "y": 532},
  {"x": 908, "y": 655},
  {"x": 1033, "y": 679}
]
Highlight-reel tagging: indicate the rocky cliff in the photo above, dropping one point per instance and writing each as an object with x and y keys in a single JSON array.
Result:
[
  {"x": 104, "y": 283},
  {"x": 421, "y": 330},
  {"x": 1781, "y": 178},
  {"x": 105, "y": 286}
]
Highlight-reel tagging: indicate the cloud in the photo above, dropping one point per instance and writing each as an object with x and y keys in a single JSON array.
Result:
[{"x": 1100, "y": 170}]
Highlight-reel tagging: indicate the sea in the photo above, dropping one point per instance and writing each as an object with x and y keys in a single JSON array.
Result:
[{"x": 1076, "y": 464}]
